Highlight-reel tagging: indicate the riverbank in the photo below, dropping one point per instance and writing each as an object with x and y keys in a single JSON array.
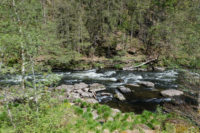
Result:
[
  {"x": 127, "y": 62},
  {"x": 125, "y": 90},
  {"x": 48, "y": 112}
]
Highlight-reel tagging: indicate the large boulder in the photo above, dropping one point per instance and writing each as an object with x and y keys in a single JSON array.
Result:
[
  {"x": 80, "y": 86},
  {"x": 171, "y": 93},
  {"x": 124, "y": 89},
  {"x": 146, "y": 84},
  {"x": 119, "y": 95},
  {"x": 97, "y": 87}
]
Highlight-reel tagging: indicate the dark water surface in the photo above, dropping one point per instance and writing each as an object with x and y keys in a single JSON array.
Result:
[{"x": 142, "y": 98}]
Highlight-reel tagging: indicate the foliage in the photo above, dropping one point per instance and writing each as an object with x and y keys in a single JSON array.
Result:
[
  {"x": 49, "y": 114},
  {"x": 56, "y": 32}
]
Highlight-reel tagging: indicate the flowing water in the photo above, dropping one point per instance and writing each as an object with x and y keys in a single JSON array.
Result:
[{"x": 138, "y": 100}]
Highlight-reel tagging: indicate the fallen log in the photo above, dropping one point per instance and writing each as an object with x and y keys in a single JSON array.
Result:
[{"x": 145, "y": 63}]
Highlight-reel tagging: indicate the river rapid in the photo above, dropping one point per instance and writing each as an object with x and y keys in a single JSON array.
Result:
[{"x": 143, "y": 98}]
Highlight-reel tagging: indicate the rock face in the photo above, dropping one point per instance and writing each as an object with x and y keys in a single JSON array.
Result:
[
  {"x": 124, "y": 89},
  {"x": 146, "y": 84},
  {"x": 119, "y": 95},
  {"x": 97, "y": 87},
  {"x": 171, "y": 93}
]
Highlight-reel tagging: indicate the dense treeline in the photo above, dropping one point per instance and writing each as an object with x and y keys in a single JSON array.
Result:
[{"x": 61, "y": 31}]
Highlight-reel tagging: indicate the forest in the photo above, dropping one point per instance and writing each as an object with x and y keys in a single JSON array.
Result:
[
  {"x": 60, "y": 33},
  {"x": 48, "y": 47}
]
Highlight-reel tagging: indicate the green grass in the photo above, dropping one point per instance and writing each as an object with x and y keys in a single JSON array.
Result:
[{"x": 63, "y": 117}]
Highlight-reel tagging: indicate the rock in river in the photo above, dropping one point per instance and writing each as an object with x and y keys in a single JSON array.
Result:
[
  {"x": 124, "y": 89},
  {"x": 119, "y": 95},
  {"x": 171, "y": 93},
  {"x": 97, "y": 87},
  {"x": 133, "y": 85},
  {"x": 146, "y": 84}
]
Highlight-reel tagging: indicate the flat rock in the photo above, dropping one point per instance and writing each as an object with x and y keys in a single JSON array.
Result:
[
  {"x": 74, "y": 96},
  {"x": 86, "y": 89},
  {"x": 66, "y": 88},
  {"x": 80, "y": 86},
  {"x": 146, "y": 83},
  {"x": 171, "y": 93},
  {"x": 86, "y": 94},
  {"x": 119, "y": 95},
  {"x": 105, "y": 94},
  {"x": 90, "y": 100},
  {"x": 133, "y": 85},
  {"x": 97, "y": 87},
  {"x": 79, "y": 91},
  {"x": 123, "y": 89}
]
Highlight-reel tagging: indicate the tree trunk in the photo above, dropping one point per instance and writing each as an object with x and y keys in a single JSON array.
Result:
[
  {"x": 34, "y": 81},
  {"x": 8, "y": 109},
  {"x": 22, "y": 49},
  {"x": 23, "y": 67}
]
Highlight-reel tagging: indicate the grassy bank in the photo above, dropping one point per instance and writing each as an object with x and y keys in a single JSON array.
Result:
[{"x": 51, "y": 114}]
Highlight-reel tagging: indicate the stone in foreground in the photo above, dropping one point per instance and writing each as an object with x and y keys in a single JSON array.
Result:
[{"x": 171, "y": 93}]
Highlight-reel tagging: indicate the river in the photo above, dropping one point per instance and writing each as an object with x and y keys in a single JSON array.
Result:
[{"x": 143, "y": 98}]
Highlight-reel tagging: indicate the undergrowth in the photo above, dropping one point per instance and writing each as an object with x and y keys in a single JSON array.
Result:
[{"x": 49, "y": 115}]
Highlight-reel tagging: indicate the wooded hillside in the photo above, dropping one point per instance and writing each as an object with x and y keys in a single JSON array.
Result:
[{"x": 59, "y": 32}]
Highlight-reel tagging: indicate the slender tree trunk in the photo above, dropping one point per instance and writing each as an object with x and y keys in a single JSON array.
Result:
[
  {"x": 44, "y": 11},
  {"x": 1, "y": 59},
  {"x": 23, "y": 67},
  {"x": 53, "y": 4},
  {"x": 198, "y": 100},
  {"x": 22, "y": 49},
  {"x": 34, "y": 81},
  {"x": 8, "y": 110}
]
